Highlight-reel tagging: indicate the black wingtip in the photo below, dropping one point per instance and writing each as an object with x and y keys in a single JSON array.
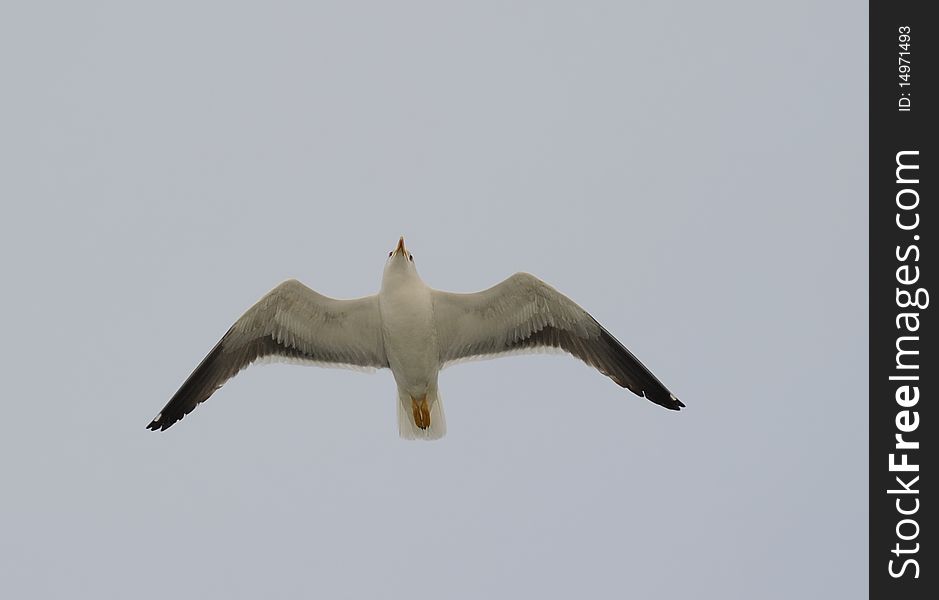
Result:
[
  {"x": 158, "y": 423},
  {"x": 636, "y": 376},
  {"x": 666, "y": 400}
]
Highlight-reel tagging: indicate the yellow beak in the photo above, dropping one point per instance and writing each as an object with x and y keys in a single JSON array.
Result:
[{"x": 400, "y": 248}]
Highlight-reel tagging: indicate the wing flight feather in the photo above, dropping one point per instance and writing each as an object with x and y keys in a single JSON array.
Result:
[
  {"x": 524, "y": 314},
  {"x": 290, "y": 323}
]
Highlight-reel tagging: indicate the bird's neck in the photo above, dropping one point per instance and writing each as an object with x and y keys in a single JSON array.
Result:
[{"x": 399, "y": 279}]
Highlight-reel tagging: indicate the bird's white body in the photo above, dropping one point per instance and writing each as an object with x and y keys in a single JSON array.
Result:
[
  {"x": 409, "y": 335},
  {"x": 408, "y": 331},
  {"x": 415, "y": 331}
]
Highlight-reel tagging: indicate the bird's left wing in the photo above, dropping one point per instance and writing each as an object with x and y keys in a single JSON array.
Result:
[
  {"x": 290, "y": 323},
  {"x": 524, "y": 314}
]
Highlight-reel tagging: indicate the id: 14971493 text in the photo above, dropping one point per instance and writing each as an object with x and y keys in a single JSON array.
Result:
[{"x": 903, "y": 67}]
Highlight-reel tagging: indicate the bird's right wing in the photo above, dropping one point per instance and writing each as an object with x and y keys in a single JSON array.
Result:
[
  {"x": 524, "y": 314},
  {"x": 290, "y": 323}
]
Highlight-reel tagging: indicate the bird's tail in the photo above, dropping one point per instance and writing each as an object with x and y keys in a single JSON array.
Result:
[{"x": 421, "y": 418}]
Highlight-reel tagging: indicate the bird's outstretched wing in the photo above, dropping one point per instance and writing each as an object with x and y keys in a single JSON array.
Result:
[
  {"x": 291, "y": 323},
  {"x": 524, "y": 314}
]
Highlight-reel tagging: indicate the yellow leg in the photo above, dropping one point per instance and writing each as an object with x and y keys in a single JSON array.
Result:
[{"x": 421, "y": 411}]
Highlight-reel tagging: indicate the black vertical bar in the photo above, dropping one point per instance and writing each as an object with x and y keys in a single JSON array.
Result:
[{"x": 903, "y": 367}]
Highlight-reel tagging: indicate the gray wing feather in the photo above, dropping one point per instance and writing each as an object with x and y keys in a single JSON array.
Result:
[
  {"x": 290, "y": 323},
  {"x": 524, "y": 314}
]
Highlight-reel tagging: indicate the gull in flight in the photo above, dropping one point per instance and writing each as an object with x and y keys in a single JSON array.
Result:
[{"x": 415, "y": 331}]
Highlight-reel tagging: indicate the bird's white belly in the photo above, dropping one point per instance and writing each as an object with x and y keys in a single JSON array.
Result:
[{"x": 410, "y": 339}]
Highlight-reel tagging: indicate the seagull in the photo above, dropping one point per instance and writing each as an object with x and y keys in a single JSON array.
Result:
[{"x": 415, "y": 331}]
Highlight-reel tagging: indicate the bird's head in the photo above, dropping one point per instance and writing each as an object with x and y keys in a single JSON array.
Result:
[{"x": 400, "y": 261}]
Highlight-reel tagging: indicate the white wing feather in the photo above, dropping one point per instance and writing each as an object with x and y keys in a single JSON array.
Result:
[
  {"x": 493, "y": 321},
  {"x": 524, "y": 314},
  {"x": 291, "y": 323}
]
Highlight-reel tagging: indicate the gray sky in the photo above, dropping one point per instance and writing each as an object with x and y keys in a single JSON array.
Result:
[{"x": 693, "y": 174}]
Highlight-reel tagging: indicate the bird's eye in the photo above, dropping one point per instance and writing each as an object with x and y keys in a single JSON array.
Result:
[
  {"x": 411, "y": 257},
  {"x": 390, "y": 253}
]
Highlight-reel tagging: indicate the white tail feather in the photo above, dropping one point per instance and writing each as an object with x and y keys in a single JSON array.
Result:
[{"x": 407, "y": 427}]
